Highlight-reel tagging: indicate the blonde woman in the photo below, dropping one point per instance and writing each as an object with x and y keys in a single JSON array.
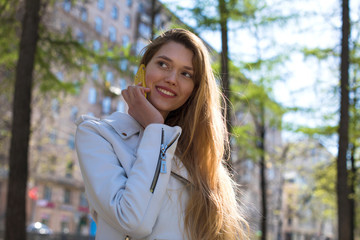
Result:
[{"x": 157, "y": 172}]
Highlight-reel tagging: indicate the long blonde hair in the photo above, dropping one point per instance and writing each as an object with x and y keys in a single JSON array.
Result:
[{"x": 212, "y": 211}]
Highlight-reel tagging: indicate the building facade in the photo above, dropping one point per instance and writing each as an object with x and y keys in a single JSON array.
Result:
[
  {"x": 305, "y": 216},
  {"x": 246, "y": 164},
  {"x": 56, "y": 192}
]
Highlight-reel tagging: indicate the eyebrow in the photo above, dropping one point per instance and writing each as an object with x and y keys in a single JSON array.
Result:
[{"x": 170, "y": 60}]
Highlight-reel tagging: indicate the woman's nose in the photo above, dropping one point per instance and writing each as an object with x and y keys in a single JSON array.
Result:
[{"x": 172, "y": 77}]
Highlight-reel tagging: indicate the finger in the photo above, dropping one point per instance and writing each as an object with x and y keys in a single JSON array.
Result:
[
  {"x": 139, "y": 90},
  {"x": 144, "y": 91},
  {"x": 125, "y": 95},
  {"x": 132, "y": 92},
  {"x": 135, "y": 95}
]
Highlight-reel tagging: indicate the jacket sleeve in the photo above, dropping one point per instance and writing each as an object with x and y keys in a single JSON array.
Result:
[{"x": 129, "y": 202}]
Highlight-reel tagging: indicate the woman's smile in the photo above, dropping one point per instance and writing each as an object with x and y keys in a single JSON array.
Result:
[{"x": 165, "y": 91}]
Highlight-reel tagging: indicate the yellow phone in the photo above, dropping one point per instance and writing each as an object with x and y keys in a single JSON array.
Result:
[{"x": 140, "y": 76}]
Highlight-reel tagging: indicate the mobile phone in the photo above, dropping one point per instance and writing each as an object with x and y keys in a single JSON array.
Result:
[{"x": 140, "y": 76}]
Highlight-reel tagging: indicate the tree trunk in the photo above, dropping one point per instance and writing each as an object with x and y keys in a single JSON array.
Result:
[
  {"x": 263, "y": 185},
  {"x": 153, "y": 14},
  {"x": 18, "y": 162},
  {"x": 225, "y": 83},
  {"x": 353, "y": 171},
  {"x": 353, "y": 181},
  {"x": 342, "y": 188}
]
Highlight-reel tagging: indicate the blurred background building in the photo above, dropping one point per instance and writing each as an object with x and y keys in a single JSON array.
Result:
[{"x": 304, "y": 211}]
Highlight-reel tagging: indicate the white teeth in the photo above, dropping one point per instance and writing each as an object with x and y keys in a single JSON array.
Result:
[{"x": 166, "y": 92}]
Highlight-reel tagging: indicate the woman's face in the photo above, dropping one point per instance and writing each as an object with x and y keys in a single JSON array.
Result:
[{"x": 169, "y": 75}]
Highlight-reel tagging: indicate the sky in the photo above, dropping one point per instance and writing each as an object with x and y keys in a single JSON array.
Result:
[{"x": 308, "y": 82}]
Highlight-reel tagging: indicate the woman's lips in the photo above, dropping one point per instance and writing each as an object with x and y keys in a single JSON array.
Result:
[{"x": 165, "y": 92}]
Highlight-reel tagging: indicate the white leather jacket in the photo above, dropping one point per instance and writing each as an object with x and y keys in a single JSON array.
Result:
[{"x": 136, "y": 187}]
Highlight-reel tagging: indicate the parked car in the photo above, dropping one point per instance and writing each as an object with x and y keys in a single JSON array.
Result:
[{"x": 38, "y": 227}]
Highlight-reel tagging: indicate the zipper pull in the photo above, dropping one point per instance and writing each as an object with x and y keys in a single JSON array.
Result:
[
  {"x": 163, "y": 166},
  {"x": 163, "y": 158}
]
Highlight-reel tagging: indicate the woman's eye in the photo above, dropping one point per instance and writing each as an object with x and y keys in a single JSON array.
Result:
[
  {"x": 186, "y": 74},
  {"x": 162, "y": 64}
]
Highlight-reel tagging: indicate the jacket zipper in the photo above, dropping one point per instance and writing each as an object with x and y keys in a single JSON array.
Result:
[{"x": 161, "y": 164}]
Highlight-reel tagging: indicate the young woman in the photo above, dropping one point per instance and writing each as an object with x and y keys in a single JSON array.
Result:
[{"x": 145, "y": 181}]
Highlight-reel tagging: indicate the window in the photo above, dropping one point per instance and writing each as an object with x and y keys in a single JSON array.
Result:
[
  {"x": 52, "y": 165},
  {"x": 67, "y": 196},
  {"x": 125, "y": 40},
  {"x": 83, "y": 200},
  {"x": 69, "y": 169},
  {"x": 80, "y": 36},
  {"x": 77, "y": 87},
  {"x": 67, "y": 5},
  {"x": 289, "y": 221},
  {"x": 248, "y": 166},
  {"x": 92, "y": 96},
  {"x": 120, "y": 106},
  {"x": 47, "y": 193},
  {"x": 135, "y": 69},
  {"x": 271, "y": 173},
  {"x": 96, "y": 45},
  {"x": 101, "y": 4},
  {"x": 127, "y": 21},
  {"x": 141, "y": 8},
  {"x": 83, "y": 14},
  {"x": 60, "y": 76},
  {"x": 95, "y": 71},
  {"x": 65, "y": 225},
  {"x": 98, "y": 24},
  {"x": 122, "y": 84},
  {"x": 288, "y": 236},
  {"x": 123, "y": 65},
  {"x": 144, "y": 30},
  {"x": 112, "y": 34},
  {"x": 139, "y": 46},
  {"x": 45, "y": 219},
  {"x": 158, "y": 21},
  {"x": 55, "y": 106},
  {"x": 74, "y": 113},
  {"x": 106, "y": 105},
  {"x": 53, "y": 136},
  {"x": 71, "y": 142},
  {"x": 110, "y": 77},
  {"x": 114, "y": 12}
]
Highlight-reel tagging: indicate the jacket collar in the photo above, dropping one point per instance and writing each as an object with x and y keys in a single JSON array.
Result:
[{"x": 127, "y": 127}]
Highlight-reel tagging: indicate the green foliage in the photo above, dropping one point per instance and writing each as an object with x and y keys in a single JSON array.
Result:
[
  {"x": 245, "y": 139},
  {"x": 314, "y": 131},
  {"x": 319, "y": 53},
  {"x": 254, "y": 96},
  {"x": 9, "y": 43},
  {"x": 265, "y": 64},
  {"x": 324, "y": 189}
]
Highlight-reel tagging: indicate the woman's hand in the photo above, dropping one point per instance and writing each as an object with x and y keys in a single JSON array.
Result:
[{"x": 139, "y": 107}]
